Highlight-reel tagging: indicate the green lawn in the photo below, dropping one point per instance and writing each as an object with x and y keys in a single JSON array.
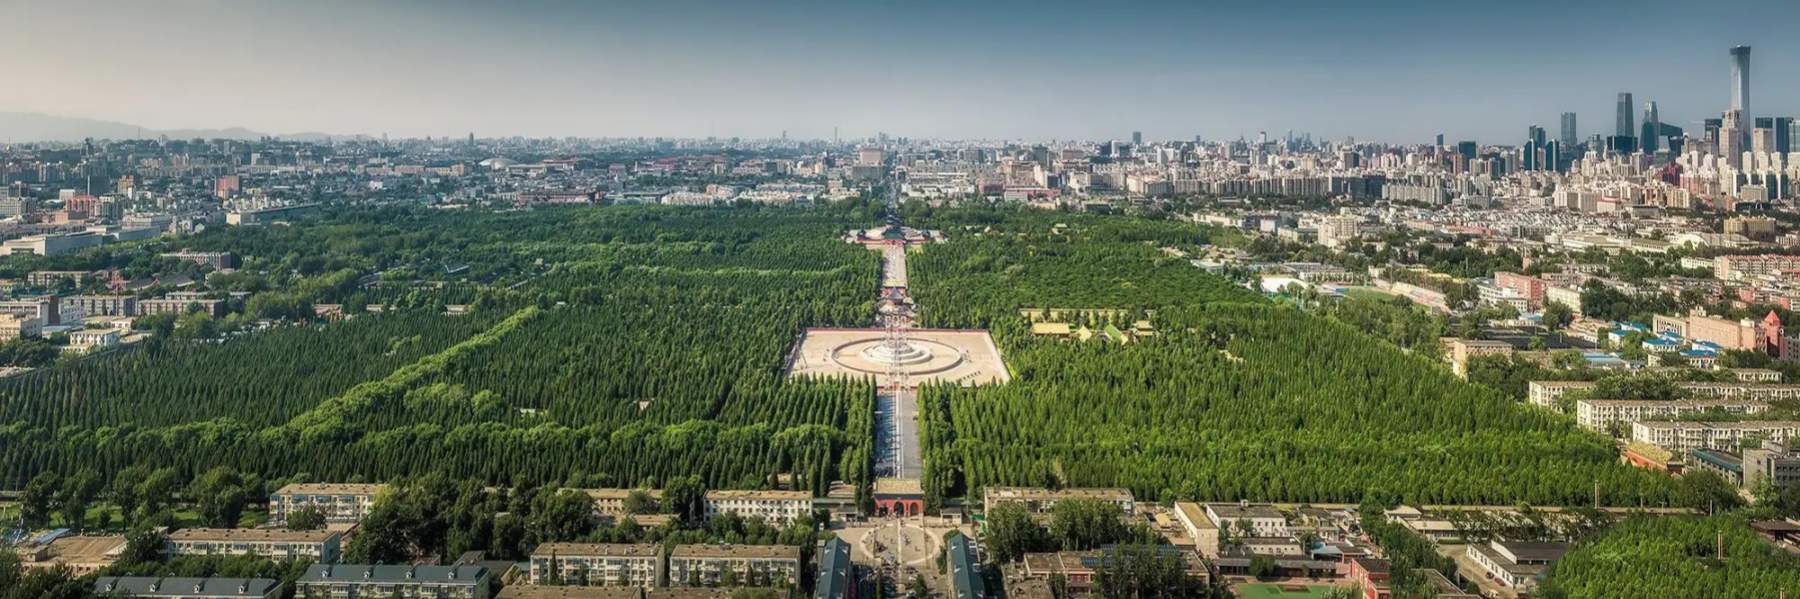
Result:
[
  {"x": 185, "y": 517},
  {"x": 1268, "y": 590}
]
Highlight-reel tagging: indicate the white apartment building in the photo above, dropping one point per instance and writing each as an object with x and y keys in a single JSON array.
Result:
[
  {"x": 320, "y": 546},
  {"x": 1265, "y": 520},
  {"x": 596, "y": 564},
  {"x": 1682, "y": 436},
  {"x": 750, "y": 565},
  {"x": 1598, "y": 414},
  {"x": 341, "y": 502},
  {"x": 1546, "y": 393},
  {"x": 776, "y": 507}
]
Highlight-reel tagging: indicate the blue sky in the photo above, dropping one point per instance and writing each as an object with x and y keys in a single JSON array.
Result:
[{"x": 1387, "y": 71}]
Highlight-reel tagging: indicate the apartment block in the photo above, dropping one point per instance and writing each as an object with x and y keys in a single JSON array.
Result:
[
  {"x": 320, "y": 546},
  {"x": 1598, "y": 414},
  {"x": 734, "y": 565},
  {"x": 341, "y": 502},
  {"x": 173, "y": 587},
  {"x": 1042, "y": 500},
  {"x": 611, "y": 502},
  {"x": 776, "y": 507},
  {"x": 101, "y": 305},
  {"x": 170, "y": 305},
  {"x": 1681, "y": 436},
  {"x": 326, "y": 581},
  {"x": 597, "y": 564}
]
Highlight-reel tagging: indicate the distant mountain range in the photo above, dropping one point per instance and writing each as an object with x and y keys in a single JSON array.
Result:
[{"x": 22, "y": 127}]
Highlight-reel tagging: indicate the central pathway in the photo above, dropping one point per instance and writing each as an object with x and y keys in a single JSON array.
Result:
[{"x": 897, "y": 452}]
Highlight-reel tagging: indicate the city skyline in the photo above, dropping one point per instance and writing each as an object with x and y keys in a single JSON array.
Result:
[{"x": 1398, "y": 73}]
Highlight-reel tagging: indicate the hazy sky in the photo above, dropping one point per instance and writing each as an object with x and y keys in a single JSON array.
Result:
[{"x": 1393, "y": 71}]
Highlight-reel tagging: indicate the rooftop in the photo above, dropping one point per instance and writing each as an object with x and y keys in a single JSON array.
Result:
[
  {"x": 527, "y": 591},
  {"x": 380, "y": 574},
  {"x": 156, "y": 586},
  {"x": 738, "y": 551},
  {"x": 331, "y": 489},
  {"x": 267, "y": 535},
  {"x": 601, "y": 549},
  {"x": 756, "y": 494}
]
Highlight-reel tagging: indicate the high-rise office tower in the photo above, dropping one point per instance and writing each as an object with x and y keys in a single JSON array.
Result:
[
  {"x": 1623, "y": 125},
  {"x": 1534, "y": 147},
  {"x": 1652, "y": 128},
  {"x": 1740, "y": 79},
  {"x": 1568, "y": 135},
  {"x": 1137, "y": 138},
  {"x": 1440, "y": 140}
]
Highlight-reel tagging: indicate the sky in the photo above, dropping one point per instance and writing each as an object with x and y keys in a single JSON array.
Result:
[{"x": 1377, "y": 71}]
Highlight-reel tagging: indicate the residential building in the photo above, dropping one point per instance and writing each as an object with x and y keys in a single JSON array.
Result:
[
  {"x": 1263, "y": 520},
  {"x": 1463, "y": 350},
  {"x": 170, "y": 305},
  {"x": 87, "y": 340},
  {"x": 13, "y": 326},
  {"x": 1339, "y": 230},
  {"x": 45, "y": 308},
  {"x": 54, "y": 278},
  {"x": 836, "y": 576},
  {"x": 776, "y": 507},
  {"x": 1680, "y": 436},
  {"x": 1371, "y": 577},
  {"x": 1567, "y": 296},
  {"x": 173, "y": 587},
  {"x": 734, "y": 565},
  {"x": 1735, "y": 267},
  {"x": 597, "y": 564},
  {"x": 1078, "y": 568},
  {"x": 611, "y": 502},
  {"x": 320, "y": 546},
  {"x": 326, "y": 581},
  {"x": 215, "y": 260},
  {"x": 341, "y": 502},
  {"x": 1546, "y": 393},
  {"x": 1199, "y": 527},
  {"x": 100, "y": 305},
  {"x": 81, "y": 554},
  {"x": 1041, "y": 500},
  {"x": 1518, "y": 565},
  {"x": 966, "y": 581},
  {"x": 531, "y": 591},
  {"x": 1599, "y": 414},
  {"x": 1775, "y": 462},
  {"x": 1531, "y": 288}
]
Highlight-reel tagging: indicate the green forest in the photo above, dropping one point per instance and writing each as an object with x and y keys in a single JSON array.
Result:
[
  {"x": 634, "y": 344},
  {"x": 1234, "y": 398},
  {"x": 1716, "y": 557}
]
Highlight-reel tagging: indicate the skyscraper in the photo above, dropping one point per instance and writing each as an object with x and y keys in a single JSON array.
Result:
[
  {"x": 1623, "y": 125},
  {"x": 1652, "y": 128},
  {"x": 1137, "y": 138},
  {"x": 1740, "y": 80},
  {"x": 1568, "y": 137}
]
